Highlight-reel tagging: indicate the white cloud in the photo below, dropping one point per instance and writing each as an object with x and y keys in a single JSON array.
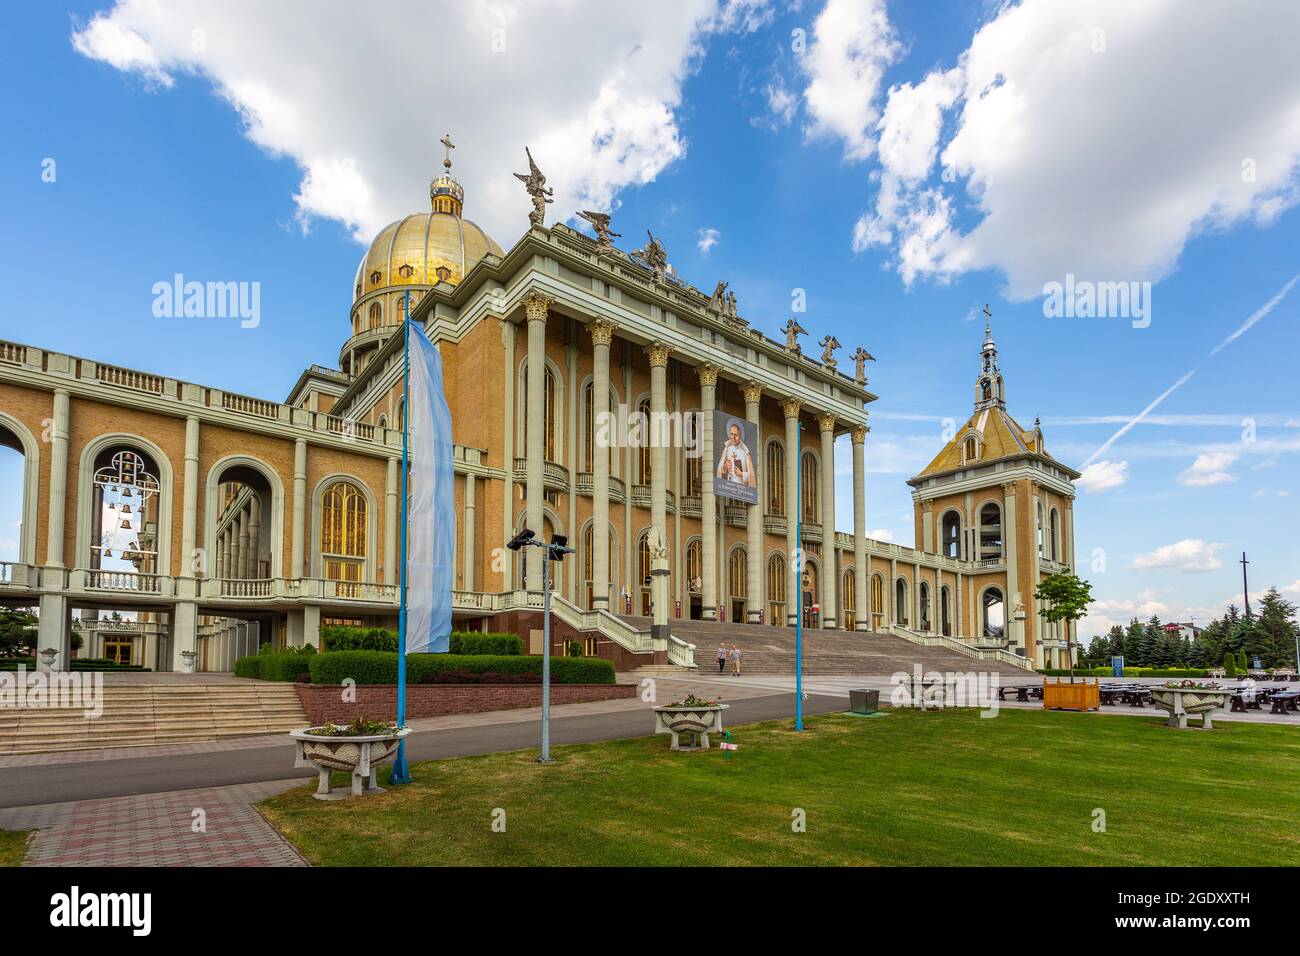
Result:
[
  {"x": 1292, "y": 588},
  {"x": 880, "y": 534},
  {"x": 1208, "y": 469},
  {"x": 781, "y": 102},
  {"x": 708, "y": 238},
  {"x": 1101, "y": 475},
  {"x": 1188, "y": 555},
  {"x": 852, "y": 44},
  {"x": 1098, "y": 163},
  {"x": 359, "y": 101}
]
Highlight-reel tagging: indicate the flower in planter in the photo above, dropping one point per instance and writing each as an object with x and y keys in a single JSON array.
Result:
[
  {"x": 690, "y": 700},
  {"x": 356, "y": 727}
]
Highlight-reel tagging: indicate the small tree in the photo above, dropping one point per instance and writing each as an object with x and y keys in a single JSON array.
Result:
[
  {"x": 1064, "y": 597},
  {"x": 1229, "y": 665}
]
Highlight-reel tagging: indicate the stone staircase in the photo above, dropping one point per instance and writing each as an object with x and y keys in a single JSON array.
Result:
[
  {"x": 766, "y": 650},
  {"x": 141, "y": 715}
]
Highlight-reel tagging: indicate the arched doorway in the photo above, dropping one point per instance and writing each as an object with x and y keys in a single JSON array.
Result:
[
  {"x": 738, "y": 583},
  {"x": 993, "y": 614}
]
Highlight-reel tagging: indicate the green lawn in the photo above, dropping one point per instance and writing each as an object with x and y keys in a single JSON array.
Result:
[
  {"x": 945, "y": 788},
  {"x": 13, "y": 846}
]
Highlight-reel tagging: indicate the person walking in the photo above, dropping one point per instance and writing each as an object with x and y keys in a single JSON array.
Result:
[
  {"x": 722, "y": 657},
  {"x": 735, "y": 660}
]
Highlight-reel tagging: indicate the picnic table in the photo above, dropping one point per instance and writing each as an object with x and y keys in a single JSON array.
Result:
[
  {"x": 1285, "y": 701},
  {"x": 1023, "y": 692},
  {"x": 1135, "y": 695}
]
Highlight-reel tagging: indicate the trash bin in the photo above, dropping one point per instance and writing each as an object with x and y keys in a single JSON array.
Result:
[{"x": 863, "y": 701}]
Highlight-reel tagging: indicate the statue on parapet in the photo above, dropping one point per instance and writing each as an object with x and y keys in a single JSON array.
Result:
[
  {"x": 655, "y": 256},
  {"x": 600, "y": 222},
  {"x": 861, "y": 357},
  {"x": 829, "y": 344},
  {"x": 793, "y": 330},
  {"x": 535, "y": 185}
]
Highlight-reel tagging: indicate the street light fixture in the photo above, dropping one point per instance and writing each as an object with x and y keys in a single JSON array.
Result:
[{"x": 556, "y": 549}]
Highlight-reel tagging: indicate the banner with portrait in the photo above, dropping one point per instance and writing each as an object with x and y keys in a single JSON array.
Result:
[{"x": 735, "y": 458}]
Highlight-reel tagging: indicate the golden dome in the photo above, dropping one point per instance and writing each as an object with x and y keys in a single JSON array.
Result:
[{"x": 425, "y": 248}]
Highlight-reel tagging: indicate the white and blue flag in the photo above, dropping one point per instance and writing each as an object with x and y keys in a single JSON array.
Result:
[{"x": 431, "y": 512}]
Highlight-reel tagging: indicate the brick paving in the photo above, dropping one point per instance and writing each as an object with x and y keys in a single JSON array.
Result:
[{"x": 157, "y": 830}]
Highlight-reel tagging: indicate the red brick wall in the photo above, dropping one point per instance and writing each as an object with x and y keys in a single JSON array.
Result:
[{"x": 324, "y": 702}]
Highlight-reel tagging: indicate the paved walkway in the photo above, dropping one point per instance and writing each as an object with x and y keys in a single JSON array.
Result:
[{"x": 157, "y": 829}]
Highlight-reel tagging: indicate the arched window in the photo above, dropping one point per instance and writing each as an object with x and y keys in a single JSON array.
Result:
[
  {"x": 695, "y": 567},
  {"x": 775, "y": 478},
  {"x": 589, "y": 562},
  {"x": 549, "y": 411},
  {"x": 945, "y": 611},
  {"x": 990, "y": 531},
  {"x": 994, "y": 614},
  {"x": 849, "y": 593},
  {"x": 776, "y": 583},
  {"x": 1054, "y": 538},
  {"x": 924, "y": 593},
  {"x": 972, "y": 449},
  {"x": 343, "y": 532},
  {"x": 950, "y": 535},
  {"x": 809, "y": 487},
  {"x": 694, "y": 482},
  {"x": 643, "y": 568},
  {"x": 738, "y": 574},
  {"x": 900, "y": 602},
  {"x": 126, "y": 496},
  {"x": 643, "y": 454},
  {"x": 809, "y": 587},
  {"x": 589, "y": 426},
  {"x": 877, "y": 602},
  {"x": 383, "y": 421},
  {"x": 376, "y": 315},
  {"x": 1041, "y": 532}
]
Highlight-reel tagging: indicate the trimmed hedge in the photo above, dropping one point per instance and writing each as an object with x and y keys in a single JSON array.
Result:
[
  {"x": 339, "y": 638},
  {"x": 1128, "y": 672},
  {"x": 289, "y": 664},
  {"x": 379, "y": 667}
]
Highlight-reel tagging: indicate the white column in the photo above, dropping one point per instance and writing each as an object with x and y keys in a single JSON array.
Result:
[
  {"x": 754, "y": 521},
  {"x": 1009, "y": 555},
  {"x": 830, "y": 572},
  {"x": 508, "y": 333},
  {"x": 861, "y": 580},
  {"x": 793, "y": 507},
  {"x": 467, "y": 539},
  {"x": 298, "y": 551},
  {"x": 535, "y": 310},
  {"x": 54, "y": 555},
  {"x": 602, "y": 334},
  {"x": 657, "y": 352},
  {"x": 245, "y": 519},
  {"x": 255, "y": 537},
  {"x": 190, "y": 563},
  {"x": 708, "y": 504}
]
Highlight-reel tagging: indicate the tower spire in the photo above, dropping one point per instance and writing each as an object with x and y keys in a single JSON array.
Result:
[{"x": 989, "y": 386}]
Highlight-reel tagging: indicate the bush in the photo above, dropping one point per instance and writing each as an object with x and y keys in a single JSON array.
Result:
[
  {"x": 289, "y": 664},
  {"x": 339, "y": 638},
  {"x": 379, "y": 667},
  {"x": 249, "y": 666},
  {"x": 1128, "y": 672}
]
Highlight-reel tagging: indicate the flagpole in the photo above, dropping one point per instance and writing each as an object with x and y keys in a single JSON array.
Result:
[{"x": 401, "y": 773}]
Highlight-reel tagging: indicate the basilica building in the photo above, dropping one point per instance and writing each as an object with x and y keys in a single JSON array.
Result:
[{"x": 178, "y": 526}]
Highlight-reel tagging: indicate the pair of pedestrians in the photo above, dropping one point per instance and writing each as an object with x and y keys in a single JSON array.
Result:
[{"x": 731, "y": 654}]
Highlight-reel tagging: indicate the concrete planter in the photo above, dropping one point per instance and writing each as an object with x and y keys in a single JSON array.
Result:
[
  {"x": 187, "y": 661},
  {"x": 699, "y": 721},
  {"x": 358, "y": 756},
  {"x": 1180, "y": 702}
]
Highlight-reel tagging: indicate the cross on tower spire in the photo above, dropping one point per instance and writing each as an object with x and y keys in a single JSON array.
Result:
[{"x": 449, "y": 145}]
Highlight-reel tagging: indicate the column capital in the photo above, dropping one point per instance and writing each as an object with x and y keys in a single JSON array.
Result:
[
  {"x": 1008, "y": 487},
  {"x": 753, "y": 392},
  {"x": 859, "y": 434},
  {"x": 602, "y": 331},
  {"x": 708, "y": 373},
  {"x": 826, "y": 422},
  {"x": 657, "y": 352},
  {"x": 536, "y": 306},
  {"x": 791, "y": 407}
]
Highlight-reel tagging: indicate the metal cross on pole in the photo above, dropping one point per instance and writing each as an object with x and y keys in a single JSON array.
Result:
[{"x": 1245, "y": 588}]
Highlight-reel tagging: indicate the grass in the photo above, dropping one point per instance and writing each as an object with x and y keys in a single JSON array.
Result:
[
  {"x": 940, "y": 788},
  {"x": 13, "y": 846}
]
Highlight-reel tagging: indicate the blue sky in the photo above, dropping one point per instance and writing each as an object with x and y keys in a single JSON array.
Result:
[{"x": 903, "y": 164}]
